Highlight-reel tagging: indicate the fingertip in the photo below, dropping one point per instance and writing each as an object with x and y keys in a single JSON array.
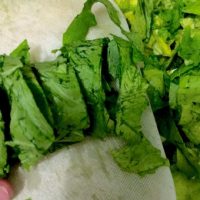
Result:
[{"x": 6, "y": 191}]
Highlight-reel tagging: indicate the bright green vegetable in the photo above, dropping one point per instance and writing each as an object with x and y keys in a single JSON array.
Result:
[
  {"x": 32, "y": 136},
  {"x": 94, "y": 86},
  {"x": 38, "y": 93},
  {"x": 86, "y": 59},
  {"x": 63, "y": 93},
  {"x": 186, "y": 189},
  {"x": 140, "y": 158},
  {"x": 22, "y": 52},
  {"x": 138, "y": 155},
  {"x": 157, "y": 88},
  {"x": 189, "y": 46},
  {"x": 192, "y": 7},
  {"x": 186, "y": 156},
  {"x": 72, "y": 35},
  {"x": 121, "y": 77},
  {"x": 170, "y": 56},
  {"x": 185, "y": 97},
  {"x": 132, "y": 100},
  {"x": 138, "y": 14}
]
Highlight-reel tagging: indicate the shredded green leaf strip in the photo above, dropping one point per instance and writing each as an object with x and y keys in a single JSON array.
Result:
[
  {"x": 32, "y": 135},
  {"x": 192, "y": 7},
  {"x": 63, "y": 92},
  {"x": 72, "y": 35},
  {"x": 22, "y": 52},
  {"x": 86, "y": 60},
  {"x": 141, "y": 158}
]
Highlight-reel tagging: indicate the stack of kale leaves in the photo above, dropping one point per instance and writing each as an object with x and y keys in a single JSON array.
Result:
[{"x": 93, "y": 88}]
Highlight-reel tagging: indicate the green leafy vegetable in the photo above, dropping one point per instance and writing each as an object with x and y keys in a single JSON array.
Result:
[
  {"x": 141, "y": 158},
  {"x": 184, "y": 97},
  {"x": 189, "y": 47},
  {"x": 71, "y": 34},
  {"x": 88, "y": 17},
  {"x": 65, "y": 99},
  {"x": 131, "y": 103},
  {"x": 86, "y": 59},
  {"x": 32, "y": 135},
  {"x": 38, "y": 93},
  {"x": 187, "y": 155},
  {"x": 123, "y": 77},
  {"x": 170, "y": 56},
  {"x": 186, "y": 189},
  {"x": 192, "y": 7},
  {"x": 185, "y": 158},
  {"x": 132, "y": 99},
  {"x": 156, "y": 89},
  {"x": 22, "y": 52},
  {"x": 93, "y": 86},
  {"x": 137, "y": 13}
]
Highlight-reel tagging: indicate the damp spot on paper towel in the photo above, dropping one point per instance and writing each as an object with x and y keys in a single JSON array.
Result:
[{"x": 94, "y": 197}]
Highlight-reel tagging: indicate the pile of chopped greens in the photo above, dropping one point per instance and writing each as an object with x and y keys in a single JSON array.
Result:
[
  {"x": 166, "y": 35},
  {"x": 93, "y": 88}
]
